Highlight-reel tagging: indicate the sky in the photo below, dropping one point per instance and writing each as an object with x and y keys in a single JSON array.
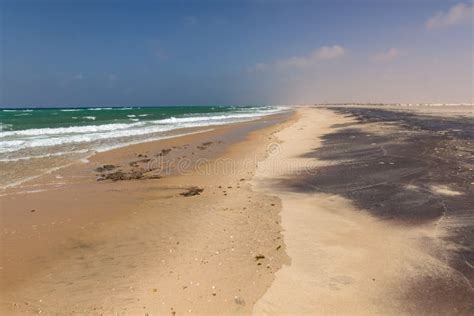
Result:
[{"x": 152, "y": 53}]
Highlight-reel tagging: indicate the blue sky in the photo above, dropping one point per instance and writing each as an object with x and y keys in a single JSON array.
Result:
[{"x": 78, "y": 53}]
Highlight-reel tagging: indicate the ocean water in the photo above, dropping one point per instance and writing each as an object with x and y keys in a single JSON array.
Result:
[{"x": 35, "y": 141}]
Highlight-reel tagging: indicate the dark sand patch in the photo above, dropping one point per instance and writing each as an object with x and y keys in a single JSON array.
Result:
[{"x": 387, "y": 163}]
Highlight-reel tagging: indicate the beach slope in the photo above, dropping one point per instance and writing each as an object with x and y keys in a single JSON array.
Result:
[{"x": 377, "y": 213}]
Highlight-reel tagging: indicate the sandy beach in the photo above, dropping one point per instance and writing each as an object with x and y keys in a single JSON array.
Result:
[
  {"x": 375, "y": 219},
  {"x": 140, "y": 246},
  {"x": 323, "y": 210},
  {"x": 236, "y": 158}
]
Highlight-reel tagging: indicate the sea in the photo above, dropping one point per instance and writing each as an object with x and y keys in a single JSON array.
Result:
[{"x": 36, "y": 141}]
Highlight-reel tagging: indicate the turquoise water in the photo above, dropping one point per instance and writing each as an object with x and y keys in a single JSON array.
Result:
[
  {"x": 37, "y": 129},
  {"x": 33, "y": 141},
  {"x": 20, "y": 119}
]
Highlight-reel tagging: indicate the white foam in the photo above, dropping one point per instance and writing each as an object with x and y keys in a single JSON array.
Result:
[
  {"x": 12, "y": 141},
  {"x": 110, "y": 147},
  {"x": 4, "y": 126},
  {"x": 66, "y": 130},
  {"x": 11, "y": 144},
  {"x": 62, "y": 153},
  {"x": 99, "y": 109}
]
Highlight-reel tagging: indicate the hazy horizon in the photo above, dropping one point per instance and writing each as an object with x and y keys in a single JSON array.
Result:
[
  {"x": 162, "y": 53},
  {"x": 52, "y": 107}
]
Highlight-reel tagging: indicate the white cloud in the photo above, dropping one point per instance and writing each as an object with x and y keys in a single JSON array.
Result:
[
  {"x": 319, "y": 55},
  {"x": 458, "y": 14},
  {"x": 387, "y": 56},
  {"x": 326, "y": 52}
]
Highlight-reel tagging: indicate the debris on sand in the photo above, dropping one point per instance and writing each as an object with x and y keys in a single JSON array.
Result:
[
  {"x": 278, "y": 248},
  {"x": 119, "y": 175},
  {"x": 204, "y": 145},
  {"x": 105, "y": 168},
  {"x": 258, "y": 257},
  {"x": 145, "y": 160},
  {"x": 239, "y": 301},
  {"x": 164, "y": 152},
  {"x": 192, "y": 191},
  {"x": 109, "y": 172},
  {"x": 135, "y": 163}
]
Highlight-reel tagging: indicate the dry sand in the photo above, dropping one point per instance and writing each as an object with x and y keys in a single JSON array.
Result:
[{"x": 343, "y": 259}]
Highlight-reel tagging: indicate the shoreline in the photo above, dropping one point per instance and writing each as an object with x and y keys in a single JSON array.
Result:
[
  {"x": 54, "y": 245},
  {"x": 85, "y": 159},
  {"x": 28, "y": 167}
]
